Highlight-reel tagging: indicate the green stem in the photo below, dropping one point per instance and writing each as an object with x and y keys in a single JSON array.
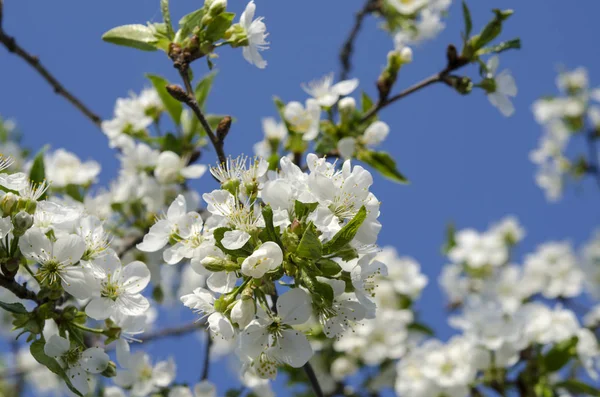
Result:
[
  {"x": 26, "y": 266},
  {"x": 88, "y": 329}
]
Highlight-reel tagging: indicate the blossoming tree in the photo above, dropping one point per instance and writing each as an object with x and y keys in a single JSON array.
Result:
[{"x": 280, "y": 263}]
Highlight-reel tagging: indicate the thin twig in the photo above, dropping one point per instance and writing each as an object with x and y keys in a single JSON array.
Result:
[
  {"x": 19, "y": 290},
  {"x": 173, "y": 331},
  {"x": 312, "y": 377},
  {"x": 455, "y": 62},
  {"x": 11, "y": 45},
  {"x": 594, "y": 162},
  {"x": 20, "y": 381},
  {"x": 190, "y": 100},
  {"x": 348, "y": 47},
  {"x": 206, "y": 365}
]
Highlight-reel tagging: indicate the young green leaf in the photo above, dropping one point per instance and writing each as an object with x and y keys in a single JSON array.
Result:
[
  {"x": 514, "y": 44},
  {"x": 490, "y": 31},
  {"x": 383, "y": 163},
  {"x": 173, "y": 106},
  {"x": 16, "y": 308},
  {"x": 164, "y": 8},
  {"x": 468, "y": 20},
  {"x": 135, "y": 36},
  {"x": 576, "y": 387},
  {"x": 310, "y": 246},
  {"x": 328, "y": 267},
  {"x": 346, "y": 234},
  {"x": 203, "y": 88},
  {"x": 560, "y": 354},
  {"x": 37, "y": 174},
  {"x": 271, "y": 233},
  {"x": 189, "y": 22},
  {"x": 303, "y": 209},
  {"x": 37, "y": 351},
  {"x": 218, "y": 26}
]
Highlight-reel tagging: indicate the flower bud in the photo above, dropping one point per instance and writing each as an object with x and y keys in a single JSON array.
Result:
[
  {"x": 347, "y": 104},
  {"x": 217, "y": 7},
  {"x": 8, "y": 203},
  {"x": 21, "y": 222},
  {"x": 406, "y": 55},
  {"x": 243, "y": 312},
  {"x": 111, "y": 370}
]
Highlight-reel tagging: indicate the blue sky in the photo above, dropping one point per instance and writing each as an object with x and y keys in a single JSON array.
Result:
[{"x": 467, "y": 163}]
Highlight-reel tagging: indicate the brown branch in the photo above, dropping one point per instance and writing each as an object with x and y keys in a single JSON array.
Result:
[
  {"x": 594, "y": 161},
  {"x": 206, "y": 365},
  {"x": 19, "y": 290},
  {"x": 173, "y": 331},
  {"x": 187, "y": 96},
  {"x": 348, "y": 47},
  {"x": 454, "y": 63},
  {"x": 11, "y": 45},
  {"x": 312, "y": 377}
]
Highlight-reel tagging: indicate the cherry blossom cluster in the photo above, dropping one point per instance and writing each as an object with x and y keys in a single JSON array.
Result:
[
  {"x": 574, "y": 112},
  {"x": 501, "y": 318},
  {"x": 314, "y": 232}
]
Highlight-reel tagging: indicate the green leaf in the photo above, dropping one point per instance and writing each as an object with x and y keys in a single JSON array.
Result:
[
  {"x": 382, "y": 162},
  {"x": 507, "y": 45},
  {"x": 323, "y": 291},
  {"x": 468, "y": 20},
  {"x": 243, "y": 252},
  {"x": 328, "y": 267},
  {"x": 366, "y": 102},
  {"x": 37, "y": 351},
  {"x": 173, "y": 106},
  {"x": 490, "y": 31},
  {"x": 577, "y": 388},
  {"x": 218, "y": 26},
  {"x": 164, "y": 8},
  {"x": 560, "y": 354},
  {"x": 171, "y": 143},
  {"x": 189, "y": 22},
  {"x": 310, "y": 246},
  {"x": 16, "y": 308},
  {"x": 271, "y": 233},
  {"x": 37, "y": 174},
  {"x": 346, "y": 234},
  {"x": 135, "y": 36},
  {"x": 203, "y": 88},
  {"x": 303, "y": 209},
  {"x": 75, "y": 192},
  {"x": 422, "y": 328},
  {"x": 450, "y": 238},
  {"x": 347, "y": 253}
]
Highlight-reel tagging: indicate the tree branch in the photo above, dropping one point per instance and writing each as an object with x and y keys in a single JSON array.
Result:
[
  {"x": 348, "y": 47},
  {"x": 454, "y": 63},
  {"x": 11, "y": 45},
  {"x": 206, "y": 366},
  {"x": 19, "y": 290},
  {"x": 312, "y": 377},
  {"x": 594, "y": 162},
  {"x": 189, "y": 99},
  {"x": 173, "y": 331}
]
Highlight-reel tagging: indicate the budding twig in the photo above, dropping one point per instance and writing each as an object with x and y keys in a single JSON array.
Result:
[
  {"x": 187, "y": 96},
  {"x": 454, "y": 63},
  {"x": 312, "y": 377},
  {"x": 348, "y": 47},
  {"x": 11, "y": 45},
  {"x": 206, "y": 365},
  {"x": 594, "y": 161}
]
